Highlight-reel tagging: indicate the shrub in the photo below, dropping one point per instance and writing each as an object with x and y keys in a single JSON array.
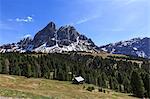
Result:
[
  {"x": 90, "y": 88},
  {"x": 100, "y": 90},
  {"x": 104, "y": 91},
  {"x": 83, "y": 87}
]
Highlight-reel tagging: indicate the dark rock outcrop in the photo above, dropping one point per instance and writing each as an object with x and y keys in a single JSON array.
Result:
[{"x": 135, "y": 47}]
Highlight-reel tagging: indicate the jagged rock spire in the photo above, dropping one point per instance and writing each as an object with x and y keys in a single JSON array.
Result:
[{"x": 51, "y": 25}]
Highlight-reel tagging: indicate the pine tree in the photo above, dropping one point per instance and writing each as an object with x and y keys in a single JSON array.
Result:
[
  {"x": 104, "y": 80},
  {"x": 17, "y": 70},
  {"x": 60, "y": 75},
  {"x": 38, "y": 69},
  {"x": 6, "y": 66},
  {"x": 146, "y": 81},
  {"x": 113, "y": 83},
  {"x": 137, "y": 84},
  {"x": 119, "y": 78},
  {"x": 127, "y": 86},
  {"x": 0, "y": 67},
  {"x": 29, "y": 71},
  {"x": 100, "y": 81}
]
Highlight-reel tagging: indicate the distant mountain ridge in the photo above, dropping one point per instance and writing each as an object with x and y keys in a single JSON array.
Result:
[
  {"x": 50, "y": 39},
  {"x": 67, "y": 38},
  {"x": 136, "y": 47}
]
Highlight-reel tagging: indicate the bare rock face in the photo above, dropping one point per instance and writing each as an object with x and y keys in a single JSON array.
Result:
[
  {"x": 24, "y": 42},
  {"x": 45, "y": 35},
  {"x": 136, "y": 47},
  {"x": 66, "y": 38},
  {"x": 67, "y": 35}
]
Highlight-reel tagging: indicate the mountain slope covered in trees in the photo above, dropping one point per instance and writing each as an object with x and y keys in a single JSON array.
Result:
[{"x": 119, "y": 75}]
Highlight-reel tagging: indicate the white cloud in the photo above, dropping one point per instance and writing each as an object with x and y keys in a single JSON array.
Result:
[
  {"x": 127, "y": 2},
  {"x": 10, "y": 19},
  {"x": 84, "y": 20},
  {"x": 27, "y": 35},
  {"x": 26, "y": 19},
  {"x": 117, "y": 29},
  {"x": 5, "y": 27}
]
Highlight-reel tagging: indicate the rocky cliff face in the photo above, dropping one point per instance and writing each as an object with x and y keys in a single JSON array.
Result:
[
  {"x": 137, "y": 47},
  {"x": 45, "y": 36},
  {"x": 50, "y": 39}
]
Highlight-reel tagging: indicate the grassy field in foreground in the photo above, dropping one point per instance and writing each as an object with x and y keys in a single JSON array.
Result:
[{"x": 31, "y": 88}]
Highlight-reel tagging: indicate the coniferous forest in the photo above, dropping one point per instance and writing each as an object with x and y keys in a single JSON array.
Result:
[{"x": 119, "y": 75}]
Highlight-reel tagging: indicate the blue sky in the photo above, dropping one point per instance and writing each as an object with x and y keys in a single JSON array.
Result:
[{"x": 104, "y": 21}]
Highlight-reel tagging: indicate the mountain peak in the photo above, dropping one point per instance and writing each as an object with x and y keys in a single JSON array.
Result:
[
  {"x": 51, "y": 25},
  {"x": 50, "y": 39},
  {"x": 66, "y": 38},
  {"x": 135, "y": 47}
]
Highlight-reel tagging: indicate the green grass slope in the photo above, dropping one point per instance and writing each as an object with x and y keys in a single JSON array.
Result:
[{"x": 32, "y": 88}]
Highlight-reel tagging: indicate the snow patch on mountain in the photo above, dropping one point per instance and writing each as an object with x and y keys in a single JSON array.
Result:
[
  {"x": 136, "y": 47},
  {"x": 50, "y": 40},
  {"x": 140, "y": 53},
  {"x": 104, "y": 49}
]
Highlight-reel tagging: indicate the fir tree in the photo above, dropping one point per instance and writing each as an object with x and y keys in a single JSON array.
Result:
[{"x": 137, "y": 84}]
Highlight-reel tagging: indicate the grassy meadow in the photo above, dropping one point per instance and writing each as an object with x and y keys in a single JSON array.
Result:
[{"x": 32, "y": 88}]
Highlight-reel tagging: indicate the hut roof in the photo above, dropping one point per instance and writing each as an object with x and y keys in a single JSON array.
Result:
[{"x": 79, "y": 79}]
